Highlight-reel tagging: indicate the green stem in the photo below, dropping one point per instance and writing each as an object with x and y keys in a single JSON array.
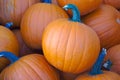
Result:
[
  {"x": 97, "y": 66},
  {"x": 9, "y": 56},
  {"x": 75, "y": 11}
]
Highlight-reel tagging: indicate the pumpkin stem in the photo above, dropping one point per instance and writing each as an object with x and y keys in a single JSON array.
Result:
[
  {"x": 107, "y": 65},
  {"x": 9, "y": 56},
  {"x": 75, "y": 11},
  {"x": 9, "y": 24},
  {"x": 46, "y": 1},
  {"x": 97, "y": 66}
]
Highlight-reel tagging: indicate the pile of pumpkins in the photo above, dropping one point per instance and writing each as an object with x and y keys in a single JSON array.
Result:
[{"x": 59, "y": 39}]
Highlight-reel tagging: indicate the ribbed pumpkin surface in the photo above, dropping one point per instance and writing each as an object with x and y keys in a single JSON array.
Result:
[
  {"x": 30, "y": 67},
  {"x": 106, "y": 22},
  {"x": 107, "y": 75},
  {"x": 36, "y": 18},
  {"x": 84, "y": 6},
  {"x": 8, "y": 42},
  {"x": 114, "y": 56},
  {"x": 70, "y": 46},
  {"x": 114, "y": 3},
  {"x": 13, "y": 10}
]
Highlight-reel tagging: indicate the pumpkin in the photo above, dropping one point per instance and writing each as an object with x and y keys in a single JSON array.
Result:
[
  {"x": 105, "y": 21},
  {"x": 24, "y": 49},
  {"x": 96, "y": 72},
  {"x": 36, "y": 18},
  {"x": 113, "y": 56},
  {"x": 13, "y": 10},
  {"x": 84, "y": 6},
  {"x": 70, "y": 45},
  {"x": 29, "y": 67},
  {"x": 114, "y": 3},
  {"x": 8, "y": 42}
]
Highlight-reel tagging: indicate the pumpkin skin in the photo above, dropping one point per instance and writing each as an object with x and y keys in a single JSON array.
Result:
[
  {"x": 83, "y": 6},
  {"x": 30, "y": 67},
  {"x": 24, "y": 49},
  {"x": 36, "y": 18},
  {"x": 114, "y": 3},
  {"x": 70, "y": 46},
  {"x": 107, "y": 75},
  {"x": 107, "y": 26},
  {"x": 114, "y": 56},
  {"x": 8, "y": 42},
  {"x": 13, "y": 10},
  {"x": 55, "y": 2}
]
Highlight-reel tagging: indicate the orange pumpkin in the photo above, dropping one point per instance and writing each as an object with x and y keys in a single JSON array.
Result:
[
  {"x": 70, "y": 45},
  {"x": 106, "y": 22},
  {"x": 36, "y": 18},
  {"x": 107, "y": 75},
  {"x": 114, "y": 56},
  {"x": 30, "y": 67},
  {"x": 96, "y": 72},
  {"x": 114, "y": 3},
  {"x": 8, "y": 42},
  {"x": 84, "y": 6},
  {"x": 13, "y": 10}
]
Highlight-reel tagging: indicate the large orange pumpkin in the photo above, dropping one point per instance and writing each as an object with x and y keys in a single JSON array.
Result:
[
  {"x": 8, "y": 42},
  {"x": 114, "y": 3},
  {"x": 36, "y": 18},
  {"x": 30, "y": 67},
  {"x": 13, "y": 10},
  {"x": 114, "y": 56},
  {"x": 96, "y": 72},
  {"x": 70, "y": 45},
  {"x": 84, "y": 6},
  {"x": 106, "y": 22}
]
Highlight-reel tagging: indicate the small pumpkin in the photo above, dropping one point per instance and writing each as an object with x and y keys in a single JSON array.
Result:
[
  {"x": 13, "y": 10},
  {"x": 35, "y": 19},
  {"x": 105, "y": 21},
  {"x": 113, "y": 55},
  {"x": 114, "y": 3},
  {"x": 84, "y": 6},
  {"x": 8, "y": 42},
  {"x": 96, "y": 72},
  {"x": 30, "y": 67},
  {"x": 70, "y": 45}
]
